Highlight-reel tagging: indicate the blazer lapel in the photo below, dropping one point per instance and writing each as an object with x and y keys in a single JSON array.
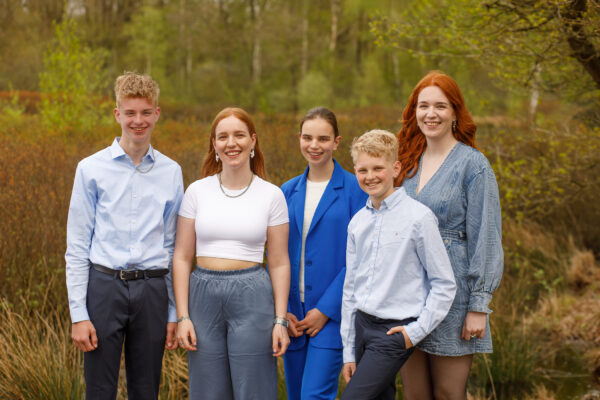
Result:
[
  {"x": 329, "y": 196},
  {"x": 299, "y": 200}
]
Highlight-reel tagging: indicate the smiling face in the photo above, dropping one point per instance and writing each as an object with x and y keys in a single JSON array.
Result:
[
  {"x": 233, "y": 142},
  {"x": 376, "y": 176},
  {"x": 318, "y": 142},
  {"x": 137, "y": 117},
  {"x": 434, "y": 113}
]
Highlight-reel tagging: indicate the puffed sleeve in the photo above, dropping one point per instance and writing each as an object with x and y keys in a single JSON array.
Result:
[{"x": 484, "y": 238}]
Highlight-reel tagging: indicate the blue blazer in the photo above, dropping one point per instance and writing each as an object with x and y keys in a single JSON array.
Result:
[{"x": 325, "y": 251}]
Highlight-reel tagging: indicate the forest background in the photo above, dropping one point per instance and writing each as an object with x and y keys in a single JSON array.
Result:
[{"x": 530, "y": 73}]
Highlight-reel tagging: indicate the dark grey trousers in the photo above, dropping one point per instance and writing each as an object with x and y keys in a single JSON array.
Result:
[
  {"x": 232, "y": 313},
  {"x": 378, "y": 358},
  {"x": 130, "y": 312}
]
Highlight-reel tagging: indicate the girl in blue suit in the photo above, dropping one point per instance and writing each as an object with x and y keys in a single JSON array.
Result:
[{"x": 321, "y": 203}]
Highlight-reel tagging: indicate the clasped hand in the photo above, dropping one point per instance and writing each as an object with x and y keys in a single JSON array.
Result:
[{"x": 312, "y": 323}]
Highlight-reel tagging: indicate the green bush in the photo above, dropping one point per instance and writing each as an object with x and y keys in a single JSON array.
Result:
[{"x": 73, "y": 77}]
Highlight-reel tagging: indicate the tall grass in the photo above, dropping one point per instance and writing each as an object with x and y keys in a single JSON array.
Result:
[{"x": 37, "y": 359}]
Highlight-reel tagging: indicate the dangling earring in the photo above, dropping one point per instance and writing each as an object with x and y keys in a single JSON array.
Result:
[
  {"x": 252, "y": 153},
  {"x": 217, "y": 157},
  {"x": 454, "y": 125}
]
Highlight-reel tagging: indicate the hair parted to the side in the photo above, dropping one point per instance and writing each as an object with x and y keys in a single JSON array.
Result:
[
  {"x": 210, "y": 166},
  {"x": 375, "y": 143},
  {"x": 134, "y": 85},
  {"x": 325, "y": 114},
  {"x": 412, "y": 141}
]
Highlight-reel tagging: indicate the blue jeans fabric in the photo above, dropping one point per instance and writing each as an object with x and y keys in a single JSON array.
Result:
[
  {"x": 232, "y": 313},
  {"x": 311, "y": 372},
  {"x": 379, "y": 357}
]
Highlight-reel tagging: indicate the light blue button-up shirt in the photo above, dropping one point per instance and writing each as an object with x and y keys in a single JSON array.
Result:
[
  {"x": 121, "y": 217},
  {"x": 396, "y": 268}
]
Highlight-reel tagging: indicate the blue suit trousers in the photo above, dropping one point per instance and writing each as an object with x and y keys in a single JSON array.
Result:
[{"x": 312, "y": 372}]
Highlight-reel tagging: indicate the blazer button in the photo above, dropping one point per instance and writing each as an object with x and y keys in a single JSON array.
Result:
[
  {"x": 309, "y": 287},
  {"x": 308, "y": 263}
]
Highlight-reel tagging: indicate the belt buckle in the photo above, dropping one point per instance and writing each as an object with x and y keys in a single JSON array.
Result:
[{"x": 122, "y": 275}]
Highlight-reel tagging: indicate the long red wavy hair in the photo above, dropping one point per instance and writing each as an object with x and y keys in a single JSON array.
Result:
[
  {"x": 412, "y": 142},
  {"x": 210, "y": 166}
]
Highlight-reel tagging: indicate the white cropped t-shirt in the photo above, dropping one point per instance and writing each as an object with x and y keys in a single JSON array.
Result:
[{"x": 233, "y": 228}]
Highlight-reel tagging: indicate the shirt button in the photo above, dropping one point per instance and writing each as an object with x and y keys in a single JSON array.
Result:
[
  {"x": 446, "y": 241},
  {"x": 134, "y": 196}
]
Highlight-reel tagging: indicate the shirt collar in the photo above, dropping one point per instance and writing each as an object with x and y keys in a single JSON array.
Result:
[
  {"x": 117, "y": 151},
  {"x": 390, "y": 201}
]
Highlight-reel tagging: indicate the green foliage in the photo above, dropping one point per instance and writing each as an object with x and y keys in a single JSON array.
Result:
[
  {"x": 148, "y": 35},
  {"x": 314, "y": 89},
  {"x": 71, "y": 83},
  {"x": 371, "y": 86},
  {"x": 524, "y": 44},
  {"x": 551, "y": 175},
  {"x": 511, "y": 368},
  {"x": 11, "y": 111}
]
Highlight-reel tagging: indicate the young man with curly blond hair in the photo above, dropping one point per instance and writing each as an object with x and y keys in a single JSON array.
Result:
[{"x": 120, "y": 239}]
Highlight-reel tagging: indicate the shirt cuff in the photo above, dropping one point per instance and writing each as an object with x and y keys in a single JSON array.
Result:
[
  {"x": 479, "y": 302},
  {"x": 79, "y": 314},
  {"x": 348, "y": 355},
  {"x": 172, "y": 314},
  {"x": 415, "y": 332}
]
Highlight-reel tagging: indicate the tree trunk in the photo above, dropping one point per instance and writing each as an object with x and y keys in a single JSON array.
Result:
[
  {"x": 582, "y": 48},
  {"x": 335, "y": 11},
  {"x": 256, "y": 9},
  {"x": 304, "y": 53}
]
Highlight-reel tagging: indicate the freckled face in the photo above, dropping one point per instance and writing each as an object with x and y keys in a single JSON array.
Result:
[
  {"x": 318, "y": 142},
  {"x": 434, "y": 113}
]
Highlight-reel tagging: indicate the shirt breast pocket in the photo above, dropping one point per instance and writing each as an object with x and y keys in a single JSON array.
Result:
[{"x": 392, "y": 237}]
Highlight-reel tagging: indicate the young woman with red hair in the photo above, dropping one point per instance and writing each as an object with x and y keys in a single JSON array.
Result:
[
  {"x": 443, "y": 170},
  {"x": 231, "y": 316}
]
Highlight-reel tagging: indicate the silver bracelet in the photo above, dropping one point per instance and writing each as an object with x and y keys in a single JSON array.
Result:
[
  {"x": 180, "y": 319},
  {"x": 281, "y": 321}
]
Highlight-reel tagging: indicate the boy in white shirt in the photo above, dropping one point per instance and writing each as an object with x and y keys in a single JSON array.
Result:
[{"x": 399, "y": 282}]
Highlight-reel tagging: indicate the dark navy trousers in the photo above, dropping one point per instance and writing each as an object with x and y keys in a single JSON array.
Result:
[
  {"x": 378, "y": 358},
  {"x": 130, "y": 313}
]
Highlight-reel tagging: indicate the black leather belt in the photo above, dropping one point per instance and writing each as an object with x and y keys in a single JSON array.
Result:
[{"x": 131, "y": 274}]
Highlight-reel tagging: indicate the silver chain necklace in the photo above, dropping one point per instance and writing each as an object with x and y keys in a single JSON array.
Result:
[
  {"x": 236, "y": 195},
  {"x": 142, "y": 171}
]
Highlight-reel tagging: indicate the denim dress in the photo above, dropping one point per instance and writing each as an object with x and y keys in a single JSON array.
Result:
[{"x": 463, "y": 194}]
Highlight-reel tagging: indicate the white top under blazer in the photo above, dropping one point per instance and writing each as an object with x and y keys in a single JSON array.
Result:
[{"x": 233, "y": 228}]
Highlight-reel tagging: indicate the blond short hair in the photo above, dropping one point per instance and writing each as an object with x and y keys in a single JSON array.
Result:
[
  {"x": 134, "y": 85},
  {"x": 376, "y": 143}
]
